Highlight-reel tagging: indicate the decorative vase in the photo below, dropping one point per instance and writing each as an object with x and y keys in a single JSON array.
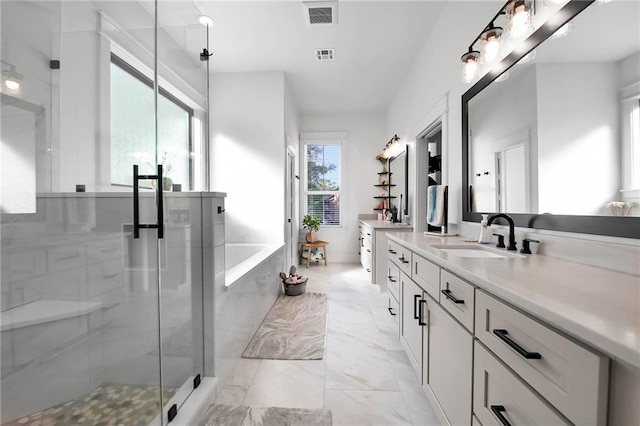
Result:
[{"x": 310, "y": 237}]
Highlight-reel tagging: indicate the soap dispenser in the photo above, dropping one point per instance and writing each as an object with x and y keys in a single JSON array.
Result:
[{"x": 485, "y": 233}]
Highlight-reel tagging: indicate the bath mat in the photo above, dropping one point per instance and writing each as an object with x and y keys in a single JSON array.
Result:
[
  {"x": 224, "y": 415},
  {"x": 294, "y": 328}
]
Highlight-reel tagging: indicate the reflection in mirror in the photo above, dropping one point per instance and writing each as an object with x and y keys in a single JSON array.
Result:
[{"x": 555, "y": 135}]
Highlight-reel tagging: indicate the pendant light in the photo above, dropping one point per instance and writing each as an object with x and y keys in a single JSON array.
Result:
[
  {"x": 490, "y": 43},
  {"x": 470, "y": 65},
  {"x": 519, "y": 16}
]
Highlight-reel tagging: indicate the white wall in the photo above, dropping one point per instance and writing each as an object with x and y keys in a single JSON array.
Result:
[
  {"x": 433, "y": 87},
  {"x": 365, "y": 138},
  {"x": 248, "y": 153}
]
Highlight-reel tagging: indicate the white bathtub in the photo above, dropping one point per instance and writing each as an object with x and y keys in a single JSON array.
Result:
[{"x": 242, "y": 258}]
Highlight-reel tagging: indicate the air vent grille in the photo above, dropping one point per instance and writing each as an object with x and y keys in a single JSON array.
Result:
[
  {"x": 320, "y": 15},
  {"x": 325, "y": 54}
]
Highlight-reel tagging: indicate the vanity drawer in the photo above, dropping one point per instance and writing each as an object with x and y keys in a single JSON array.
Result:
[
  {"x": 401, "y": 256},
  {"x": 427, "y": 275},
  {"x": 498, "y": 392},
  {"x": 573, "y": 378},
  {"x": 457, "y": 297},
  {"x": 393, "y": 280}
]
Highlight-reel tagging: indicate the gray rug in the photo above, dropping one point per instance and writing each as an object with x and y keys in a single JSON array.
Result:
[
  {"x": 293, "y": 329},
  {"x": 225, "y": 415}
]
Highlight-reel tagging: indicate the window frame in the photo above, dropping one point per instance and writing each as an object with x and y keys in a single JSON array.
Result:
[
  {"x": 140, "y": 76},
  {"x": 305, "y": 180}
]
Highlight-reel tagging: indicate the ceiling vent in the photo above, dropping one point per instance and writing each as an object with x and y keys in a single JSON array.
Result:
[
  {"x": 320, "y": 13},
  {"x": 325, "y": 54}
]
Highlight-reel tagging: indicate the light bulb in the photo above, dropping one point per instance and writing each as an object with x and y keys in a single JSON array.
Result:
[
  {"x": 491, "y": 49},
  {"x": 12, "y": 84}
]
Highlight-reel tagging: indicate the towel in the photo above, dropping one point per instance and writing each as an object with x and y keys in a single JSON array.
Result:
[{"x": 436, "y": 200}]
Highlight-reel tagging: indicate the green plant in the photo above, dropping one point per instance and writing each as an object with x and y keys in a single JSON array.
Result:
[{"x": 311, "y": 223}]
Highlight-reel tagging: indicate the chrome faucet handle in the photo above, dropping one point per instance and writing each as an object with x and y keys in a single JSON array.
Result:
[
  {"x": 525, "y": 245},
  {"x": 500, "y": 243}
]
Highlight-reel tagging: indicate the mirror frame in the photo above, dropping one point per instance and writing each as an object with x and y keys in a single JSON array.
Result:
[{"x": 616, "y": 226}]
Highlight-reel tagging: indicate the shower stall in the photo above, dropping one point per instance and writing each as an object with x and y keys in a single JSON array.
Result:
[{"x": 102, "y": 297}]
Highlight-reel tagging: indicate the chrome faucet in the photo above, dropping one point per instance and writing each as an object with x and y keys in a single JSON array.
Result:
[{"x": 512, "y": 234}]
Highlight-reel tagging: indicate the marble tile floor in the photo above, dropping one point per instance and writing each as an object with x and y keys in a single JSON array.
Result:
[{"x": 364, "y": 378}]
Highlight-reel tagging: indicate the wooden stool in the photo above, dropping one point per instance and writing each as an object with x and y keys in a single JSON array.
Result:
[{"x": 314, "y": 245}]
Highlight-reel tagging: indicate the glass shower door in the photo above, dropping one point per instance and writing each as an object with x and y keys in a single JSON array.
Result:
[
  {"x": 80, "y": 294},
  {"x": 181, "y": 134}
]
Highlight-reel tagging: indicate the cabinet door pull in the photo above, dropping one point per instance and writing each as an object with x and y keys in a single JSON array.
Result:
[
  {"x": 502, "y": 335},
  {"x": 392, "y": 251},
  {"x": 391, "y": 311},
  {"x": 368, "y": 251},
  {"x": 421, "y": 312},
  {"x": 415, "y": 306},
  {"x": 391, "y": 279},
  {"x": 497, "y": 411},
  {"x": 450, "y": 296},
  {"x": 402, "y": 259}
]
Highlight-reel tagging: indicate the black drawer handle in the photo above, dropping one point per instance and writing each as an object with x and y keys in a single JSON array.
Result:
[
  {"x": 392, "y": 251},
  {"x": 450, "y": 296},
  {"x": 402, "y": 259},
  {"x": 497, "y": 411},
  {"x": 391, "y": 311},
  {"x": 391, "y": 279},
  {"x": 368, "y": 251},
  {"x": 502, "y": 335},
  {"x": 415, "y": 305},
  {"x": 421, "y": 313}
]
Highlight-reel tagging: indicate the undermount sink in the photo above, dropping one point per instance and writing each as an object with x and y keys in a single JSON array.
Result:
[{"x": 475, "y": 251}]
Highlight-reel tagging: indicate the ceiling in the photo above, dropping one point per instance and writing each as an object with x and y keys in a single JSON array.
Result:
[{"x": 375, "y": 44}]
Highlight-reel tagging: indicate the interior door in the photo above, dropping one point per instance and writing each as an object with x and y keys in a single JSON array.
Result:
[{"x": 291, "y": 203}]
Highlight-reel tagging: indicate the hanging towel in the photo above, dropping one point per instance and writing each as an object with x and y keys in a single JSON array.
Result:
[{"x": 436, "y": 201}]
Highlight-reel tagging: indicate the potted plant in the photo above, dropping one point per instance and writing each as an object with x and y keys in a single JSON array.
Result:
[
  {"x": 383, "y": 160},
  {"x": 313, "y": 225}
]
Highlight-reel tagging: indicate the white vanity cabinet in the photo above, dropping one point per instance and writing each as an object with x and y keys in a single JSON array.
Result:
[
  {"x": 485, "y": 362},
  {"x": 373, "y": 248},
  {"x": 413, "y": 313},
  {"x": 366, "y": 248}
]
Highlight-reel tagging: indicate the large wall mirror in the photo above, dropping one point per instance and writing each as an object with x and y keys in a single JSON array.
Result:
[{"x": 548, "y": 134}]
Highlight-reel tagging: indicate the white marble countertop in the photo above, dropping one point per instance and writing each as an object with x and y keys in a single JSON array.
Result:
[
  {"x": 385, "y": 224},
  {"x": 596, "y": 306}
]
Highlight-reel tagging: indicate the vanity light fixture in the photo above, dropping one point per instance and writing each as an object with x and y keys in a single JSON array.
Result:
[
  {"x": 392, "y": 148},
  {"x": 518, "y": 15},
  {"x": 470, "y": 65}
]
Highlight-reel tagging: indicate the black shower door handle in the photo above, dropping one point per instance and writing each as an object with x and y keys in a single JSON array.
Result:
[{"x": 136, "y": 203}]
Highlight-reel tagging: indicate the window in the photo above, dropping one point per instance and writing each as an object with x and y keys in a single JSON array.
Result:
[
  {"x": 133, "y": 131},
  {"x": 634, "y": 135},
  {"x": 323, "y": 182}
]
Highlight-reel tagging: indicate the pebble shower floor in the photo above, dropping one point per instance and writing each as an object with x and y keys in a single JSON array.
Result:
[{"x": 108, "y": 404}]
